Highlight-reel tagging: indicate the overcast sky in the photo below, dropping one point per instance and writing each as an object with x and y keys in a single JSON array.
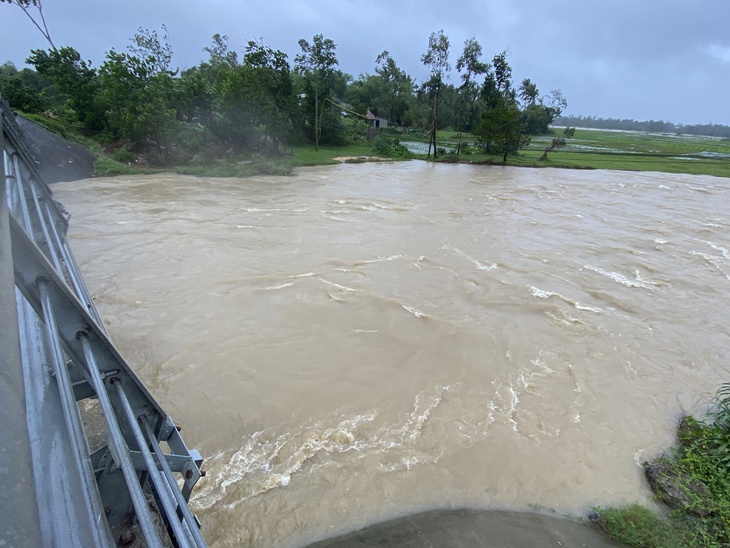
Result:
[{"x": 642, "y": 59}]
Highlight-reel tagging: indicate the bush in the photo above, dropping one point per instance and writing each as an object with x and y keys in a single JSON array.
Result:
[
  {"x": 122, "y": 155},
  {"x": 637, "y": 526},
  {"x": 390, "y": 147}
]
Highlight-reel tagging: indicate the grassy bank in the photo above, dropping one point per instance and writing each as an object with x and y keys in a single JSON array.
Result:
[
  {"x": 691, "y": 483},
  {"x": 588, "y": 149},
  {"x": 619, "y": 150}
]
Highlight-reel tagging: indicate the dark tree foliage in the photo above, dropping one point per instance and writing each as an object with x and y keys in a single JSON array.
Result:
[
  {"x": 501, "y": 129},
  {"x": 652, "y": 126},
  {"x": 254, "y": 100},
  {"x": 316, "y": 63},
  {"x": 75, "y": 79},
  {"x": 23, "y": 89}
]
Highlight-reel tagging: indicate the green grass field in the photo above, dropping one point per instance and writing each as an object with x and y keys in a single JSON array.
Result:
[{"x": 595, "y": 149}]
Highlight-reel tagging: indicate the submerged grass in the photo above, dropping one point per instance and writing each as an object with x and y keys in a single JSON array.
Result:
[{"x": 691, "y": 481}]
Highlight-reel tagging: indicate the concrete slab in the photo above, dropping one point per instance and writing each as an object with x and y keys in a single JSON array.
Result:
[
  {"x": 470, "y": 528},
  {"x": 57, "y": 158}
]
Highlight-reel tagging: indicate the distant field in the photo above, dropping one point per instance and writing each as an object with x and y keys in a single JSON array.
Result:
[{"x": 633, "y": 151}]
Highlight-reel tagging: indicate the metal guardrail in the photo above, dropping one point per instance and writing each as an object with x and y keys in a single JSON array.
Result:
[{"x": 83, "y": 498}]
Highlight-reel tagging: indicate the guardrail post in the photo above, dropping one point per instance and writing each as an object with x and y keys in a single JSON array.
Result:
[{"x": 18, "y": 506}]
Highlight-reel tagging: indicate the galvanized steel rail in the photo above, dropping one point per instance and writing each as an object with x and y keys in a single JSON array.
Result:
[{"x": 83, "y": 498}]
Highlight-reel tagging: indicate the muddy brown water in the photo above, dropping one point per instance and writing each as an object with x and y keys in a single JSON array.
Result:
[{"x": 364, "y": 341}]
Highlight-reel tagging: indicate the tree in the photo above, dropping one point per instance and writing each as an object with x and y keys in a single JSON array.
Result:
[
  {"x": 40, "y": 23},
  {"x": 19, "y": 89},
  {"x": 395, "y": 95},
  {"x": 137, "y": 89},
  {"x": 537, "y": 117},
  {"x": 558, "y": 142},
  {"x": 220, "y": 53},
  {"x": 500, "y": 129},
  {"x": 502, "y": 75},
  {"x": 75, "y": 79},
  {"x": 470, "y": 65},
  {"x": 436, "y": 59},
  {"x": 155, "y": 51},
  {"x": 317, "y": 64},
  {"x": 528, "y": 92},
  {"x": 257, "y": 98}
]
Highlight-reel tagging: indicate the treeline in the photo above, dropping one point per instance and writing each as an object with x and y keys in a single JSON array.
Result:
[
  {"x": 651, "y": 126},
  {"x": 139, "y": 104}
]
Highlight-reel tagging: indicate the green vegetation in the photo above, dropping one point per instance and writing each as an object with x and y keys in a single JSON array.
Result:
[
  {"x": 252, "y": 112},
  {"x": 692, "y": 482},
  {"x": 594, "y": 149},
  {"x": 232, "y": 109}
]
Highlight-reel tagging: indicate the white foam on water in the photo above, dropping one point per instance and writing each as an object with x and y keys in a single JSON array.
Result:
[
  {"x": 379, "y": 260},
  {"x": 473, "y": 261},
  {"x": 268, "y": 460},
  {"x": 338, "y": 286},
  {"x": 719, "y": 261},
  {"x": 278, "y": 286},
  {"x": 417, "y": 313},
  {"x": 623, "y": 280},
  {"x": 542, "y": 294}
]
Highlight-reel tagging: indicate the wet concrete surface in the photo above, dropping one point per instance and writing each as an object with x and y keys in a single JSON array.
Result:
[
  {"x": 57, "y": 159},
  {"x": 470, "y": 528}
]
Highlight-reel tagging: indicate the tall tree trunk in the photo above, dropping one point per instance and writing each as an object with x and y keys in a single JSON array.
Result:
[
  {"x": 435, "y": 117},
  {"x": 316, "y": 122}
]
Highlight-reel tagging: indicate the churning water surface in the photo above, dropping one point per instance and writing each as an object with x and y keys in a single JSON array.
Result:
[{"x": 363, "y": 341}]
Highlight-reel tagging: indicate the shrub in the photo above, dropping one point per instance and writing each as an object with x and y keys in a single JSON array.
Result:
[{"x": 390, "y": 146}]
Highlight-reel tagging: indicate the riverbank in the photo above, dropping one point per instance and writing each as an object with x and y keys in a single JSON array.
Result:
[{"x": 588, "y": 149}]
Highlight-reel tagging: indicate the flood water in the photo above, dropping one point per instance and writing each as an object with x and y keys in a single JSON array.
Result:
[{"x": 363, "y": 341}]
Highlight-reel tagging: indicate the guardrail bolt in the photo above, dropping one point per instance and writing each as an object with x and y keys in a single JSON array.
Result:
[{"x": 127, "y": 539}]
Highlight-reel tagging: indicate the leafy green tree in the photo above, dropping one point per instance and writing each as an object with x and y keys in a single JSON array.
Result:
[
  {"x": 258, "y": 99},
  {"x": 156, "y": 51},
  {"x": 75, "y": 79},
  {"x": 470, "y": 66},
  {"x": 138, "y": 92},
  {"x": 537, "y": 117},
  {"x": 436, "y": 59},
  {"x": 395, "y": 96},
  {"x": 17, "y": 87},
  {"x": 220, "y": 53},
  {"x": 317, "y": 64},
  {"x": 503, "y": 75},
  {"x": 137, "y": 99},
  {"x": 500, "y": 129}
]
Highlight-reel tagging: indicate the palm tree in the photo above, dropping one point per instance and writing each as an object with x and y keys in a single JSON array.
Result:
[{"x": 528, "y": 92}]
